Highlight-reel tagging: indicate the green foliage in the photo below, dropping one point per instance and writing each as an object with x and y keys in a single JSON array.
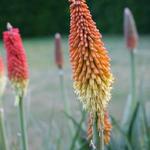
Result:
[
  {"x": 38, "y": 17},
  {"x": 35, "y": 17}
]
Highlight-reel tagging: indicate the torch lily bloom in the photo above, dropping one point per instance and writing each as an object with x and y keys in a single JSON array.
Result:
[
  {"x": 2, "y": 77},
  {"x": 90, "y": 62},
  {"x": 16, "y": 60},
  {"x": 130, "y": 31},
  {"x": 89, "y": 59}
]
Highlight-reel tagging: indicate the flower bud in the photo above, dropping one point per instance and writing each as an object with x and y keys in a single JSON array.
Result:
[
  {"x": 58, "y": 51},
  {"x": 130, "y": 30}
]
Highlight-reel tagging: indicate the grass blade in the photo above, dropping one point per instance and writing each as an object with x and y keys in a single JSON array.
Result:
[
  {"x": 144, "y": 120},
  {"x": 78, "y": 131},
  {"x": 122, "y": 133}
]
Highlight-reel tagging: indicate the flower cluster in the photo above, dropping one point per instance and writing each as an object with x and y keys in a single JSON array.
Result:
[
  {"x": 16, "y": 61},
  {"x": 90, "y": 61}
]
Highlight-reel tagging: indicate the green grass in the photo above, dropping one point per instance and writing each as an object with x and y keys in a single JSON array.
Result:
[{"x": 46, "y": 122}]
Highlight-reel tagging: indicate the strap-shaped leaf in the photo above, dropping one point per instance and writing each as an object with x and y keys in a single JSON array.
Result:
[{"x": 122, "y": 132}]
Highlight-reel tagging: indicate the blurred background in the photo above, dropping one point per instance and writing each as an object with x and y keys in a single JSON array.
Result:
[
  {"x": 38, "y": 22},
  {"x": 44, "y": 18}
]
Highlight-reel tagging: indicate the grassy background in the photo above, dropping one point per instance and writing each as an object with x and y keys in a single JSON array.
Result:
[{"x": 47, "y": 125}]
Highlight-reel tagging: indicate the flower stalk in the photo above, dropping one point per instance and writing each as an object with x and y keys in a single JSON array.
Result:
[
  {"x": 133, "y": 76},
  {"x": 18, "y": 74},
  {"x": 59, "y": 61},
  {"x": 3, "y": 138},
  {"x": 131, "y": 38},
  {"x": 63, "y": 94},
  {"x": 23, "y": 127},
  {"x": 98, "y": 137}
]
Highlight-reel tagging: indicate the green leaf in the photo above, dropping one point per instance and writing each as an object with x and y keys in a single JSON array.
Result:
[
  {"x": 144, "y": 121},
  {"x": 122, "y": 132},
  {"x": 76, "y": 124},
  {"x": 77, "y": 134}
]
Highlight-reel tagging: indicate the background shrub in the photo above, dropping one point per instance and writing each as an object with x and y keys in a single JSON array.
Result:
[{"x": 39, "y": 18}]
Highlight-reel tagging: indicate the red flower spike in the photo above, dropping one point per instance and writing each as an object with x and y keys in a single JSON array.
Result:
[{"x": 16, "y": 60}]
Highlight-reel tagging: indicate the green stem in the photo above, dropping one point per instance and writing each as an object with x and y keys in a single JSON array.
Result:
[
  {"x": 123, "y": 133},
  {"x": 133, "y": 76},
  {"x": 23, "y": 125},
  {"x": 61, "y": 77},
  {"x": 3, "y": 143},
  {"x": 98, "y": 136},
  {"x": 63, "y": 96},
  {"x": 133, "y": 83},
  {"x": 102, "y": 138}
]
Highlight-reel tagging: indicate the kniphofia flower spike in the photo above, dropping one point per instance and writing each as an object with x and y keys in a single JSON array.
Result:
[
  {"x": 89, "y": 58},
  {"x": 90, "y": 61},
  {"x": 16, "y": 60}
]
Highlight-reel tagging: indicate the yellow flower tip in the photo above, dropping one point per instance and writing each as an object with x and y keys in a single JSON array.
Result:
[
  {"x": 94, "y": 93},
  {"x": 20, "y": 86}
]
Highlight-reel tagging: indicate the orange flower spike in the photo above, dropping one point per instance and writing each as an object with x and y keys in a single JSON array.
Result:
[
  {"x": 89, "y": 59},
  {"x": 16, "y": 61}
]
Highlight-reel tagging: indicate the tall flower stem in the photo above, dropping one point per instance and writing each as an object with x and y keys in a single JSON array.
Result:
[
  {"x": 3, "y": 140},
  {"x": 23, "y": 125},
  {"x": 133, "y": 78},
  {"x": 98, "y": 136},
  {"x": 63, "y": 95}
]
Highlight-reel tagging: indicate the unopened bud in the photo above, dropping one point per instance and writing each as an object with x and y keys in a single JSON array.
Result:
[
  {"x": 58, "y": 51},
  {"x": 130, "y": 30}
]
